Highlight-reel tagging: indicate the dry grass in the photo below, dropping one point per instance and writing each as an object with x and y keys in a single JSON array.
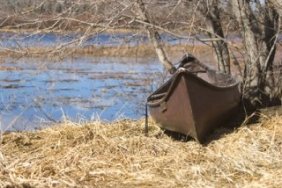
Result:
[
  {"x": 143, "y": 50},
  {"x": 119, "y": 155}
]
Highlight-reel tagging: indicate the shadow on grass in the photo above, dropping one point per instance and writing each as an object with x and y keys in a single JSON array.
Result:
[{"x": 242, "y": 117}]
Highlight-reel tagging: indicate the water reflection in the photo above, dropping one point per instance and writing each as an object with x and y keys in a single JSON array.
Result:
[{"x": 34, "y": 92}]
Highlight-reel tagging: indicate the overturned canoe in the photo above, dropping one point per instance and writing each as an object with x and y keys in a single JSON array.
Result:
[{"x": 193, "y": 106}]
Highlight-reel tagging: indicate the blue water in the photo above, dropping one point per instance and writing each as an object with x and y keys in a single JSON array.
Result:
[
  {"x": 11, "y": 40},
  {"x": 36, "y": 92},
  {"x": 27, "y": 40}
]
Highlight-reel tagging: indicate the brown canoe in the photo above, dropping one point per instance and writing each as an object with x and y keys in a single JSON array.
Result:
[{"x": 194, "y": 106}]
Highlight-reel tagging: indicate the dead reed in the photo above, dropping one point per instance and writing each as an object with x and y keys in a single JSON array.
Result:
[
  {"x": 142, "y": 50},
  {"x": 118, "y": 154}
]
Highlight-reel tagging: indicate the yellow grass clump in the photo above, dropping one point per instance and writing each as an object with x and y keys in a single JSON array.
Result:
[{"x": 118, "y": 154}]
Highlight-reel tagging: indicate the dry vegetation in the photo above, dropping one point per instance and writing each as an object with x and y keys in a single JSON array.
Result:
[
  {"x": 142, "y": 50},
  {"x": 119, "y": 155}
]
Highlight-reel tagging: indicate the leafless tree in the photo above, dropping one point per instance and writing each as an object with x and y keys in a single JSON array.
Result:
[
  {"x": 210, "y": 12},
  {"x": 154, "y": 37},
  {"x": 259, "y": 26}
]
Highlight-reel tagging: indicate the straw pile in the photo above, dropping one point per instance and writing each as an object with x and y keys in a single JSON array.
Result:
[{"x": 119, "y": 155}]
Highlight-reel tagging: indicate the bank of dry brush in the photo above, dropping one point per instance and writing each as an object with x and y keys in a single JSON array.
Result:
[{"x": 119, "y": 155}]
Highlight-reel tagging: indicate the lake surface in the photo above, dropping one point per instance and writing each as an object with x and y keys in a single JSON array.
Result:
[
  {"x": 12, "y": 40},
  {"x": 36, "y": 92}
]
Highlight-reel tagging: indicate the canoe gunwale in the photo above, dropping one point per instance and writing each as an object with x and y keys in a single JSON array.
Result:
[
  {"x": 153, "y": 102},
  {"x": 157, "y": 98}
]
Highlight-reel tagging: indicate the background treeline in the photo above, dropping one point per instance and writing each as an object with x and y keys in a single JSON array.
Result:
[{"x": 73, "y": 14}]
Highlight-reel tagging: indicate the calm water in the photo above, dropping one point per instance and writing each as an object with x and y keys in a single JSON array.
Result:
[
  {"x": 10, "y": 40},
  {"x": 36, "y": 92}
]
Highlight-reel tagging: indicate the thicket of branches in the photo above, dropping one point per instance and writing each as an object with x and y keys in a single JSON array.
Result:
[{"x": 71, "y": 14}]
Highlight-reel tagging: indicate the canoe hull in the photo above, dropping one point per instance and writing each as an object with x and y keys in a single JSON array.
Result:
[{"x": 193, "y": 107}]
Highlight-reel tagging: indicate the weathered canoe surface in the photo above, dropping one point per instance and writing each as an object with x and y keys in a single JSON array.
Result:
[{"x": 193, "y": 106}]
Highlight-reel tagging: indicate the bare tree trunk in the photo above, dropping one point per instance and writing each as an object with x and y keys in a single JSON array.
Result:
[
  {"x": 259, "y": 42},
  {"x": 211, "y": 12},
  {"x": 155, "y": 38},
  {"x": 243, "y": 15},
  {"x": 271, "y": 34}
]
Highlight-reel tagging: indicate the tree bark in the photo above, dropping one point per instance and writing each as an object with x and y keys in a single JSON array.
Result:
[
  {"x": 210, "y": 10},
  {"x": 259, "y": 42},
  {"x": 154, "y": 38}
]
